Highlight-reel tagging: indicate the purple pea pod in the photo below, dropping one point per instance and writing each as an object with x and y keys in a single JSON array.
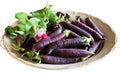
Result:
[
  {"x": 58, "y": 60},
  {"x": 91, "y": 24},
  {"x": 71, "y": 52}
]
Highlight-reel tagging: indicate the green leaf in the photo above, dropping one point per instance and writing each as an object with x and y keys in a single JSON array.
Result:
[
  {"x": 43, "y": 25},
  {"x": 46, "y": 15},
  {"x": 21, "y": 27},
  {"x": 34, "y": 30},
  {"x": 34, "y": 21},
  {"x": 9, "y": 29},
  {"x": 39, "y": 14},
  {"x": 23, "y": 17},
  {"x": 20, "y": 32},
  {"x": 52, "y": 17},
  {"x": 13, "y": 35},
  {"x": 27, "y": 27},
  {"x": 35, "y": 14}
]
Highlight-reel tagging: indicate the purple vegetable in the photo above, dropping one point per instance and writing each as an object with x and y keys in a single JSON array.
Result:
[
  {"x": 57, "y": 60},
  {"x": 75, "y": 29},
  {"x": 71, "y": 53},
  {"x": 91, "y": 24},
  {"x": 44, "y": 42},
  {"x": 28, "y": 43},
  {"x": 80, "y": 19},
  {"x": 57, "y": 31},
  {"x": 67, "y": 16},
  {"x": 74, "y": 42},
  {"x": 94, "y": 34},
  {"x": 19, "y": 39},
  {"x": 57, "y": 37},
  {"x": 95, "y": 48},
  {"x": 52, "y": 26},
  {"x": 59, "y": 13},
  {"x": 74, "y": 35}
]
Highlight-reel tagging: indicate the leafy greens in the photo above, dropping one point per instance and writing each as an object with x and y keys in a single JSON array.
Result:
[
  {"x": 39, "y": 19},
  {"x": 29, "y": 25}
]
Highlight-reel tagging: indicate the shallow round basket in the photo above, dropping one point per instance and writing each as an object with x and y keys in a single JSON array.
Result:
[{"x": 109, "y": 43}]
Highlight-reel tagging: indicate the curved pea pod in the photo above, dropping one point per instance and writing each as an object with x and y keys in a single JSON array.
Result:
[
  {"x": 57, "y": 31},
  {"x": 60, "y": 13},
  {"x": 19, "y": 39},
  {"x": 95, "y": 48},
  {"x": 71, "y": 52},
  {"x": 66, "y": 15},
  {"x": 28, "y": 43},
  {"x": 74, "y": 35},
  {"x": 50, "y": 27},
  {"x": 68, "y": 43},
  {"x": 91, "y": 24},
  {"x": 94, "y": 34},
  {"x": 58, "y": 60},
  {"x": 75, "y": 29},
  {"x": 44, "y": 42},
  {"x": 80, "y": 19}
]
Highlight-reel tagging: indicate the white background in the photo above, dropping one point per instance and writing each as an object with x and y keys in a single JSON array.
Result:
[{"x": 107, "y": 10}]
